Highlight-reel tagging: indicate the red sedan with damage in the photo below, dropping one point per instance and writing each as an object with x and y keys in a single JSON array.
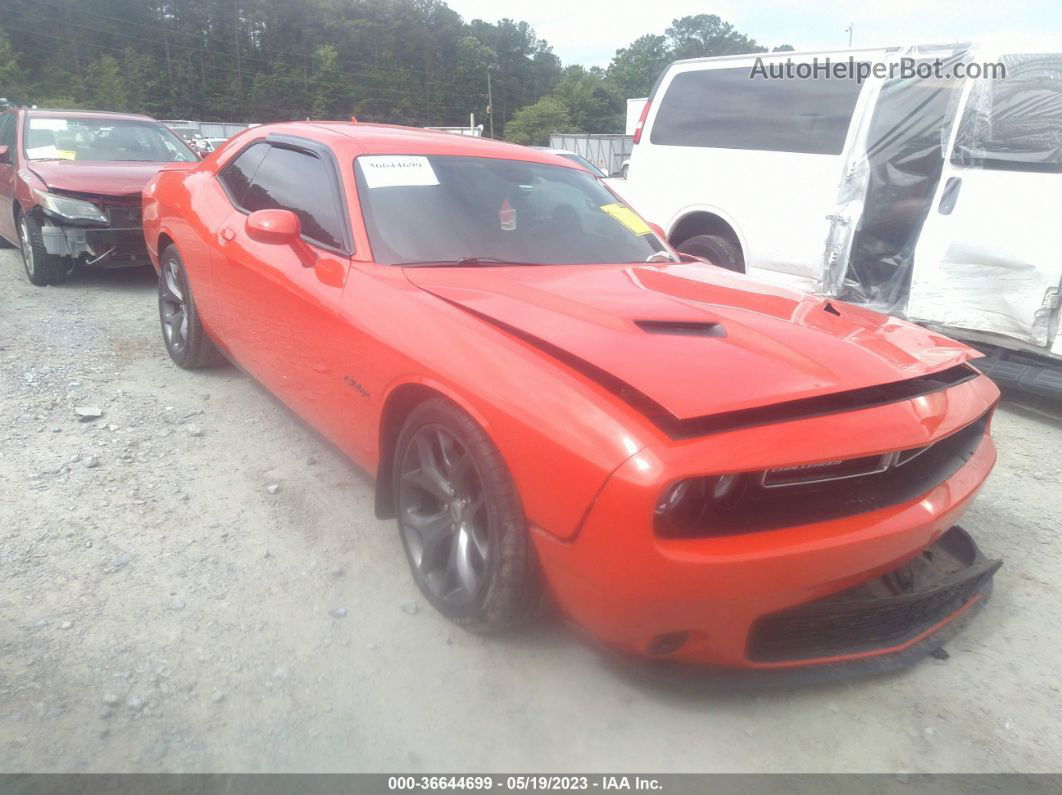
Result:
[
  {"x": 70, "y": 183},
  {"x": 695, "y": 466}
]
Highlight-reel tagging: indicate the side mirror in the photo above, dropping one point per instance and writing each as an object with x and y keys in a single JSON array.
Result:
[
  {"x": 5, "y": 154},
  {"x": 278, "y": 227},
  {"x": 282, "y": 228}
]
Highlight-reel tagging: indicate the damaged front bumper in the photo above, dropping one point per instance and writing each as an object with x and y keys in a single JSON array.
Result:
[
  {"x": 120, "y": 245},
  {"x": 885, "y": 624},
  {"x": 889, "y": 613}
]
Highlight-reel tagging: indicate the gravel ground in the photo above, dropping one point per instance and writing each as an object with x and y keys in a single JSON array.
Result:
[{"x": 194, "y": 581}]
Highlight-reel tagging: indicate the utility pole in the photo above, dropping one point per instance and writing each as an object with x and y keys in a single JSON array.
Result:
[
  {"x": 490, "y": 104},
  {"x": 850, "y": 30}
]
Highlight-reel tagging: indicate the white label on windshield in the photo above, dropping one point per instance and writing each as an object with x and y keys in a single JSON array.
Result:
[
  {"x": 42, "y": 153},
  {"x": 394, "y": 171},
  {"x": 56, "y": 125}
]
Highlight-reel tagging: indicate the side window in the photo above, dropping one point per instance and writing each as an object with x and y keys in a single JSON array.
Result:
[
  {"x": 7, "y": 133},
  {"x": 732, "y": 109},
  {"x": 1012, "y": 123},
  {"x": 288, "y": 179},
  {"x": 237, "y": 175}
]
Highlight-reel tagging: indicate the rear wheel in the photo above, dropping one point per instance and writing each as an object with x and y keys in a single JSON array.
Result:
[
  {"x": 716, "y": 249},
  {"x": 186, "y": 340},
  {"x": 461, "y": 521},
  {"x": 41, "y": 267}
]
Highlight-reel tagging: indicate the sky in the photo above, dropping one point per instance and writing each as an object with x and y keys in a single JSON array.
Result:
[{"x": 588, "y": 32}]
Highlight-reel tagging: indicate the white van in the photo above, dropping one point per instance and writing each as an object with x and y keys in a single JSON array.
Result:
[{"x": 894, "y": 180}]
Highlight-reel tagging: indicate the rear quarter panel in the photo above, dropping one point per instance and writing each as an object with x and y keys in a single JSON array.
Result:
[{"x": 186, "y": 207}]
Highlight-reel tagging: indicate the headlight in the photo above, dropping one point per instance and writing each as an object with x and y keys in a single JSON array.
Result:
[
  {"x": 74, "y": 209},
  {"x": 689, "y": 503}
]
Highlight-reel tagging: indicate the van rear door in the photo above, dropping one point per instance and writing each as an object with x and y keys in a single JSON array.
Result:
[{"x": 989, "y": 258}]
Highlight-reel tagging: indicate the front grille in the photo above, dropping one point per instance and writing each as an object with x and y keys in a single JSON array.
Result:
[
  {"x": 879, "y": 614},
  {"x": 782, "y": 477},
  {"x": 784, "y": 500},
  {"x": 124, "y": 216}
]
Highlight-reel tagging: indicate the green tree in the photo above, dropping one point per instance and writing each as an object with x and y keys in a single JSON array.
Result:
[
  {"x": 634, "y": 69},
  {"x": 594, "y": 103},
  {"x": 468, "y": 86},
  {"x": 532, "y": 125},
  {"x": 327, "y": 85},
  {"x": 106, "y": 85},
  {"x": 526, "y": 69},
  {"x": 706, "y": 35},
  {"x": 10, "y": 75},
  {"x": 143, "y": 82},
  {"x": 399, "y": 61}
]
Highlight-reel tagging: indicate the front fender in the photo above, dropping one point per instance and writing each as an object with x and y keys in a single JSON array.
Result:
[{"x": 560, "y": 434}]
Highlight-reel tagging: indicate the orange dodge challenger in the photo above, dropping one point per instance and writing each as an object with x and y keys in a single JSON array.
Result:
[{"x": 695, "y": 466}]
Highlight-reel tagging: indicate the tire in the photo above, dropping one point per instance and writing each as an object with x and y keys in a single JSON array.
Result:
[
  {"x": 41, "y": 267},
  {"x": 716, "y": 249},
  {"x": 182, "y": 332},
  {"x": 625, "y": 170},
  {"x": 476, "y": 565}
]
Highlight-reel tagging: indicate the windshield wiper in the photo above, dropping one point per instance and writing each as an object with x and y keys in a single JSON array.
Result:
[{"x": 462, "y": 262}]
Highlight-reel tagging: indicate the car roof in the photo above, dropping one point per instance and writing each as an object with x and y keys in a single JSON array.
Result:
[
  {"x": 393, "y": 139},
  {"x": 51, "y": 113}
]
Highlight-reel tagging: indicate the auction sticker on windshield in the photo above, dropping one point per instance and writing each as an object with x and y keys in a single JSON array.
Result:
[
  {"x": 396, "y": 171},
  {"x": 626, "y": 216}
]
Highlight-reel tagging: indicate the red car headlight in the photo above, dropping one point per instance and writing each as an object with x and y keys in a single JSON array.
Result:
[{"x": 684, "y": 505}]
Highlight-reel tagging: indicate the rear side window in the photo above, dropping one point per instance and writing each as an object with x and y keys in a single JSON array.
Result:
[
  {"x": 730, "y": 109},
  {"x": 1015, "y": 123},
  {"x": 288, "y": 179},
  {"x": 238, "y": 174}
]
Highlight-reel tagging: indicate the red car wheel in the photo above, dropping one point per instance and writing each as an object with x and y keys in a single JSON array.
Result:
[{"x": 461, "y": 521}]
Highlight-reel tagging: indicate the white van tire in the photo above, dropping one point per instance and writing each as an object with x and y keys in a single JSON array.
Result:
[{"x": 716, "y": 249}]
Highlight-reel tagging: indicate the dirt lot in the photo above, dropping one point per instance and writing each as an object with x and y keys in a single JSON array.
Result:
[{"x": 162, "y": 607}]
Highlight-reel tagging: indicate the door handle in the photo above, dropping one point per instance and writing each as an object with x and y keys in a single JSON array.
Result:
[
  {"x": 226, "y": 233},
  {"x": 949, "y": 196}
]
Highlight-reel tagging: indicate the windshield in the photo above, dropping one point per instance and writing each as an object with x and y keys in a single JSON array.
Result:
[
  {"x": 51, "y": 138},
  {"x": 444, "y": 209}
]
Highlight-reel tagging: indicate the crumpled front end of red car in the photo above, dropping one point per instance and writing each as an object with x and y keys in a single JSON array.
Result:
[{"x": 818, "y": 541}]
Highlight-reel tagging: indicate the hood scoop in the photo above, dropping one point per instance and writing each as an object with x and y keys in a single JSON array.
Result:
[{"x": 682, "y": 328}]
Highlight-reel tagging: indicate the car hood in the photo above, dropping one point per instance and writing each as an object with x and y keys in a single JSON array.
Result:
[
  {"x": 695, "y": 339},
  {"x": 121, "y": 178}
]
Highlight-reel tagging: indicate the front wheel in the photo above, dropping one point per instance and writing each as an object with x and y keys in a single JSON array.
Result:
[
  {"x": 41, "y": 267},
  {"x": 461, "y": 521},
  {"x": 186, "y": 340},
  {"x": 716, "y": 249}
]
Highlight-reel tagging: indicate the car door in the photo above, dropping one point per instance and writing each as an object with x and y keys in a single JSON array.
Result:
[
  {"x": 987, "y": 259},
  {"x": 8, "y": 174},
  {"x": 279, "y": 316}
]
